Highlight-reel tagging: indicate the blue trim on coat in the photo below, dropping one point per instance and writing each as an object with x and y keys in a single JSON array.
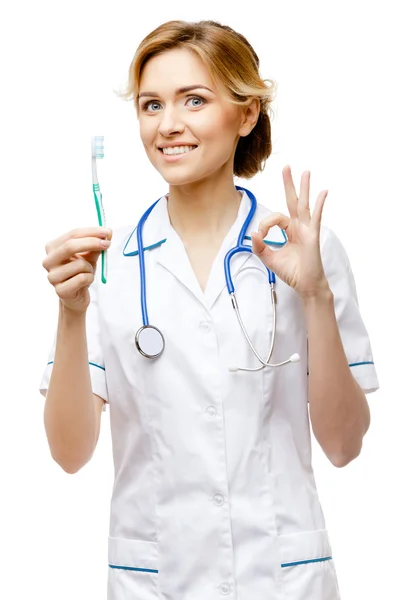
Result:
[
  {"x": 136, "y": 252},
  {"x": 306, "y": 562},
  {"x": 90, "y": 363},
  {"x": 246, "y": 237},
  {"x": 270, "y": 243},
  {"x": 133, "y": 569},
  {"x": 367, "y": 362}
]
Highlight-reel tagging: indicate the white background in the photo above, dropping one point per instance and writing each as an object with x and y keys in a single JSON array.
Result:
[{"x": 337, "y": 115}]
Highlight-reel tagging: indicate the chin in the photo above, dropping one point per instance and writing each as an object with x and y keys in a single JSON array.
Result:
[
  {"x": 174, "y": 177},
  {"x": 179, "y": 180}
]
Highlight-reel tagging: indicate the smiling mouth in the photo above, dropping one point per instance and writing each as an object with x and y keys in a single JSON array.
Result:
[{"x": 172, "y": 151}]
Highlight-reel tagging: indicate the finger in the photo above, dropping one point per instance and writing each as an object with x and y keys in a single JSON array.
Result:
[
  {"x": 66, "y": 290},
  {"x": 316, "y": 218},
  {"x": 83, "y": 232},
  {"x": 65, "y": 272},
  {"x": 259, "y": 247},
  {"x": 279, "y": 219},
  {"x": 304, "y": 199},
  {"x": 71, "y": 247},
  {"x": 291, "y": 196}
]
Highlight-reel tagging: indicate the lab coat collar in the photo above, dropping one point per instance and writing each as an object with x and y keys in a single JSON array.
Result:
[{"x": 159, "y": 233}]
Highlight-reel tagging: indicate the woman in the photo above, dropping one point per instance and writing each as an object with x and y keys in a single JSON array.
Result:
[{"x": 214, "y": 491}]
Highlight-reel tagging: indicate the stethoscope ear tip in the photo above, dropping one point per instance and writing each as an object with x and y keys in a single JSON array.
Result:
[
  {"x": 294, "y": 358},
  {"x": 233, "y": 369}
]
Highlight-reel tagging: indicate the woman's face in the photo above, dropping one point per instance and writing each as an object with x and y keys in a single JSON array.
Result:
[{"x": 187, "y": 125}]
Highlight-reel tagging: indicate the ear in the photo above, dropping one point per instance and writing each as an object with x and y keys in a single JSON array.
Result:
[{"x": 250, "y": 117}]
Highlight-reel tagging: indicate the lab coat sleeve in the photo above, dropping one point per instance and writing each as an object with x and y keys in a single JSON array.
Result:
[
  {"x": 95, "y": 353},
  {"x": 352, "y": 330}
]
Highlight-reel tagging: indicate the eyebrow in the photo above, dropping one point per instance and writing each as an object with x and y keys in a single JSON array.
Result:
[{"x": 179, "y": 91}]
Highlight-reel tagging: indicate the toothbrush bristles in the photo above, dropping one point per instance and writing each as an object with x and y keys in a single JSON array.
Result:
[{"x": 98, "y": 146}]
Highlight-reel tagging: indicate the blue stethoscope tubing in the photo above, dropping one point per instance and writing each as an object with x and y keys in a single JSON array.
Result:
[
  {"x": 241, "y": 247},
  {"x": 149, "y": 339}
]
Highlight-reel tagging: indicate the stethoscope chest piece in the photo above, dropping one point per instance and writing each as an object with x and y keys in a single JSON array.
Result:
[{"x": 150, "y": 341}]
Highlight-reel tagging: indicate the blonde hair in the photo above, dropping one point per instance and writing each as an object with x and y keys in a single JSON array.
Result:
[{"x": 232, "y": 61}]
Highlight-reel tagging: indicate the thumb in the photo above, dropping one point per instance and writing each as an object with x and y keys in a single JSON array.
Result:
[{"x": 260, "y": 248}]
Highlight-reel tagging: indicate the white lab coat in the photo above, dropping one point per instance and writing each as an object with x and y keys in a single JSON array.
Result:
[{"x": 214, "y": 491}]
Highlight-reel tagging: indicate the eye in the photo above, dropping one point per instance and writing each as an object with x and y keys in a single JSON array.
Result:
[
  {"x": 197, "y": 101},
  {"x": 151, "y": 106}
]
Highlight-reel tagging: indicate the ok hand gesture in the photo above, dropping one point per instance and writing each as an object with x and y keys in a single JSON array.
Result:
[{"x": 298, "y": 263}]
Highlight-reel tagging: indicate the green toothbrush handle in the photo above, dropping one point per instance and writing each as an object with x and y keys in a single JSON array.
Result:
[
  {"x": 102, "y": 221},
  {"x": 104, "y": 266}
]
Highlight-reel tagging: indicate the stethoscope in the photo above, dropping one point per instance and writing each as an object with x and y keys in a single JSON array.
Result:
[{"x": 149, "y": 339}]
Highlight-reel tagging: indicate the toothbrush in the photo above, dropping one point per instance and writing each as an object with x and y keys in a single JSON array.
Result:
[{"x": 98, "y": 152}]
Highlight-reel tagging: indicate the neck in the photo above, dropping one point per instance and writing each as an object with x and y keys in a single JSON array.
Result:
[{"x": 203, "y": 210}]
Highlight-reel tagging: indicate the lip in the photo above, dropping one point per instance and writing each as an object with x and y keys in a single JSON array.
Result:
[{"x": 175, "y": 144}]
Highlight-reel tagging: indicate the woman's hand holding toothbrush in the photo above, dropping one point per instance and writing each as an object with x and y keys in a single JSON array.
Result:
[{"x": 71, "y": 264}]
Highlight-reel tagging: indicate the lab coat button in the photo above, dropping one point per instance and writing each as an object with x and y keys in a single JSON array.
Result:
[
  {"x": 211, "y": 411},
  {"x": 204, "y": 326},
  {"x": 218, "y": 499},
  {"x": 225, "y": 589}
]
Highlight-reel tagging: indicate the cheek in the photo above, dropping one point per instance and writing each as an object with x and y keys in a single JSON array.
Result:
[
  {"x": 229, "y": 124},
  {"x": 220, "y": 126},
  {"x": 147, "y": 131}
]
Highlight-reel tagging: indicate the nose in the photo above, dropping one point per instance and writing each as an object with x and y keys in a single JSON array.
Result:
[{"x": 170, "y": 122}]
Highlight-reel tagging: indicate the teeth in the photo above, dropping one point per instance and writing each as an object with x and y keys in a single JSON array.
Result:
[{"x": 178, "y": 149}]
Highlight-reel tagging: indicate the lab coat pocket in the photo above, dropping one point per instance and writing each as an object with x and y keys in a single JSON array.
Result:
[
  {"x": 133, "y": 569},
  {"x": 307, "y": 567}
]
